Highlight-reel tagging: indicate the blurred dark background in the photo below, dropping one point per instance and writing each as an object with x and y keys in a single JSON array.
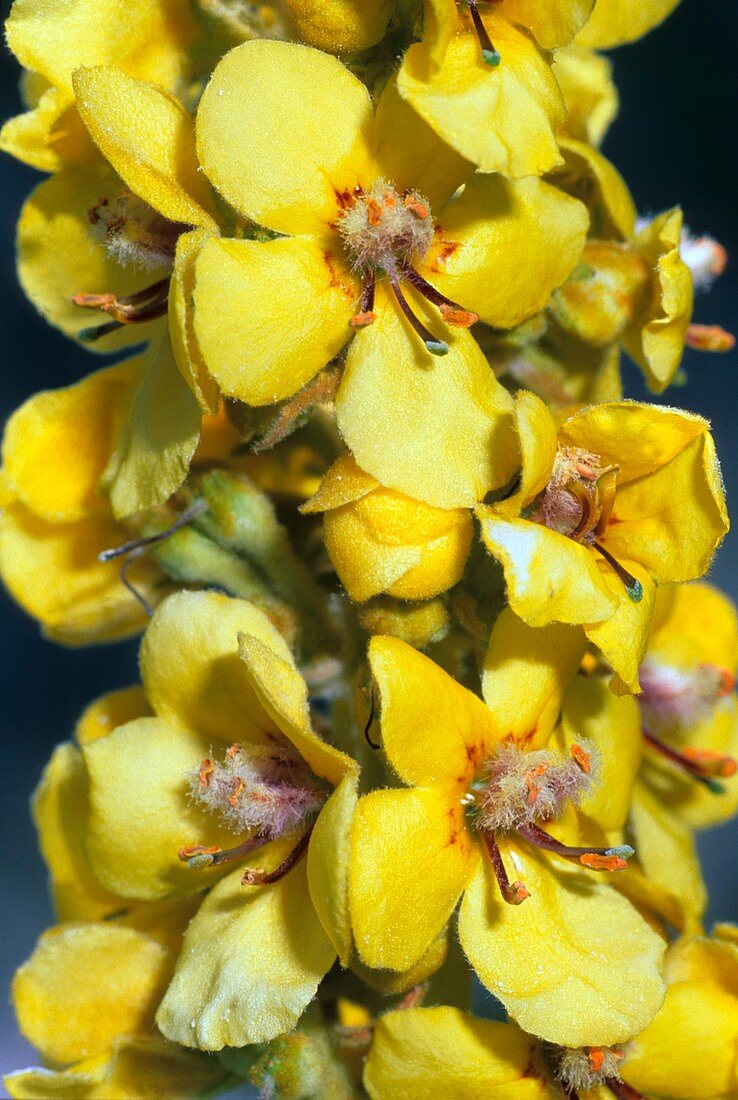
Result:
[{"x": 676, "y": 141}]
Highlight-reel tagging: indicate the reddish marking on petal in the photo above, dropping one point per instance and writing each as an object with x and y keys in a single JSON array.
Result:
[
  {"x": 344, "y": 198},
  {"x": 362, "y": 320},
  {"x": 709, "y": 338},
  {"x": 460, "y": 318},
  {"x": 445, "y": 252},
  {"x": 582, "y": 758},
  {"x": 596, "y": 862},
  {"x": 335, "y": 277}
]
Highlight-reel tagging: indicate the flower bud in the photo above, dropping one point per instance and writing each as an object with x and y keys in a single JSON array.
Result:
[{"x": 418, "y": 624}]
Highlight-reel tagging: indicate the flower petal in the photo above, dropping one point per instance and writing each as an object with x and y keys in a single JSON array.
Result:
[
  {"x": 59, "y": 254},
  {"x": 623, "y": 637},
  {"x": 501, "y": 119},
  {"x": 526, "y": 673},
  {"x": 141, "y": 813},
  {"x": 269, "y": 315},
  {"x": 550, "y": 22},
  {"x": 445, "y": 415},
  {"x": 575, "y": 963},
  {"x": 591, "y": 97},
  {"x": 587, "y": 175},
  {"x": 411, "y": 857},
  {"x": 114, "y": 709},
  {"x": 615, "y": 22},
  {"x": 284, "y": 164},
  {"x": 434, "y": 730},
  {"x": 49, "y": 137},
  {"x": 494, "y": 219},
  {"x": 251, "y": 962},
  {"x": 125, "y": 973},
  {"x": 328, "y": 866},
  {"x": 536, "y": 430},
  {"x": 430, "y": 1052},
  {"x": 549, "y": 577},
  {"x": 149, "y": 139},
  {"x": 185, "y": 348},
  {"x": 191, "y": 669}
]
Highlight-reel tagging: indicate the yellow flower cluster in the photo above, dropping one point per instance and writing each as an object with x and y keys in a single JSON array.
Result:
[{"x": 427, "y": 707}]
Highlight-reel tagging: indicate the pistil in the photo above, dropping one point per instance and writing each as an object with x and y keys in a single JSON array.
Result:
[{"x": 489, "y": 54}]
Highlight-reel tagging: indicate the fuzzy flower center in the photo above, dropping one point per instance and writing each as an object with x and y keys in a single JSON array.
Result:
[
  {"x": 387, "y": 232},
  {"x": 588, "y": 1068}
]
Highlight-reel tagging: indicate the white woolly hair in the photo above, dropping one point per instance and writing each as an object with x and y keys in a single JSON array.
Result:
[
  {"x": 263, "y": 787},
  {"x": 506, "y": 802},
  {"x": 135, "y": 233},
  {"x": 675, "y": 700},
  {"x": 398, "y": 231},
  {"x": 574, "y": 1068}
]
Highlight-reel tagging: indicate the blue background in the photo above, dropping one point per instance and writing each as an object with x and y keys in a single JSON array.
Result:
[{"x": 675, "y": 141}]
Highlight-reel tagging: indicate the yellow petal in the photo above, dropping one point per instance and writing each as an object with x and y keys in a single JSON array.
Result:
[
  {"x": 341, "y": 26},
  {"x": 157, "y": 439},
  {"x": 191, "y": 669},
  {"x": 433, "y": 729},
  {"x": 282, "y": 692},
  {"x": 656, "y": 340},
  {"x": 617, "y": 21},
  {"x": 53, "y": 571},
  {"x": 82, "y": 420},
  {"x": 149, "y": 139},
  {"x": 343, "y": 483},
  {"x": 501, "y": 119},
  {"x": 549, "y": 577},
  {"x": 56, "y": 40},
  {"x": 270, "y": 315},
  {"x": 411, "y": 857},
  {"x": 575, "y": 963},
  {"x": 613, "y": 725},
  {"x": 623, "y": 637},
  {"x": 284, "y": 164},
  {"x": 536, "y": 430},
  {"x": 60, "y": 254},
  {"x": 125, "y": 973},
  {"x": 113, "y": 709},
  {"x": 428, "y": 1053},
  {"x": 49, "y": 137},
  {"x": 526, "y": 673},
  {"x": 141, "y": 813},
  {"x": 60, "y": 813},
  {"x": 444, "y": 413},
  {"x": 672, "y": 521},
  {"x": 591, "y": 97},
  {"x": 493, "y": 220},
  {"x": 681, "y": 638},
  {"x": 328, "y": 866},
  {"x": 185, "y": 348},
  {"x": 589, "y": 176},
  {"x": 411, "y": 155},
  {"x": 250, "y": 964}
]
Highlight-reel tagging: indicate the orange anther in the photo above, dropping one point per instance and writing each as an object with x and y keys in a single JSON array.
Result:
[
  {"x": 710, "y": 762},
  {"x": 709, "y": 338},
  {"x": 582, "y": 758},
  {"x": 597, "y": 862},
  {"x": 196, "y": 850},
  {"x": 460, "y": 318},
  {"x": 233, "y": 750},
  {"x": 93, "y": 301},
  {"x": 374, "y": 211},
  {"x": 596, "y": 1059},
  {"x": 516, "y": 893},
  {"x": 389, "y": 200},
  {"x": 361, "y": 320},
  {"x": 235, "y": 794},
  {"x": 419, "y": 209},
  {"x": 727, "y": 682},
  {"x": 206, "y": 770}
]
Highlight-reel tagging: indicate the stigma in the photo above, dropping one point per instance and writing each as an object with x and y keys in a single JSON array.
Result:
[
  {"x": 490, "y": 55},
  {"x": 389, "y": 233}
]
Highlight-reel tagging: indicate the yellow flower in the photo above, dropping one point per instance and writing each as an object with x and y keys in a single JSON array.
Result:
[
  {"x": 623, "y": 497},
  {"x": 585, "y": 79},
  {"x": 380, "y": 540},
  {"x": 228, "y": 750},
  {"x": 86, "y": 998},
  {"x": 481, "y": 79},
  {"x": 51, "y": 42},
  {"x": 478, "y": 781},
  {"x": 361, "y": 253},
  {"x": 614, "y": 22}
]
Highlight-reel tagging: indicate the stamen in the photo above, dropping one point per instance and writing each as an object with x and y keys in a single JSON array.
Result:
[
  {"x": 513, "y": 893},
  {"x": 623, "y": 1091},
  {"x": 451, "y": 311},
  {"x": 583, "y": 758},
  {"x": 709, "y": 338},
  {"x": 434, "y": 346},
  {"x": 633, "y": 586},
  {"x": 366, "y": 315},
  {"x": 702, "y": 765},
  {"x": 257, "y": 877},
  {"x": 198, "y": 856},
  {"x": 144, "y": 305},
  {"x": 136, "y": 548},
  {"x": 596, "y": 859},
  {"x": 489, "y": 53}
]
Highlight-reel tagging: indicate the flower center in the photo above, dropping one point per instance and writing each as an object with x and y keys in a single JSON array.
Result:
[
  {"x": 386, "y": 232},
  {"x": 134, "y": 234},
  {"x": 516, "y": 790},
  {"x": 583, "y": 1069},
  {"x": 265, "y": 790},
  {"x": 578, "y": 503}
]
